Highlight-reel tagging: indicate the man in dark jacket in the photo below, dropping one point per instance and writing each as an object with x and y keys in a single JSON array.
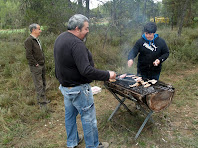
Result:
[
  {"x": 74, "y": 68},
  {"x": 152, "y": 50},
  {"x": 36, "y": 60}
]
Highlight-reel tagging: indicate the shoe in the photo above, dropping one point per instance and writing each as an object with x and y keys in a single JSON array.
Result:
[
  {"x": 79, "y": 142},
  {"x": 44, "y": 102},
  {"x": 43, "y": 107},
  {"x": 103, "y": 145},
  {"x": 80, "y": 139},
  {"x": 47, "y": 101}
]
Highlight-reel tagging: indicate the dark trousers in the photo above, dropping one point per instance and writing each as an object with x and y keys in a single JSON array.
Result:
[
  {"x": 38, "y": 75},
  {"x": 148, "y": 74}
]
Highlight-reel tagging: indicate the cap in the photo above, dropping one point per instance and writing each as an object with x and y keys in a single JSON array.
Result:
[{"x": 150, "y": 27}]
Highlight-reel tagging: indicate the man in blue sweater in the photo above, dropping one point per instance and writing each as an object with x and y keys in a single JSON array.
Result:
[
  {"x": 152, "y": 50},
  {"x": 74, "y": 68}
]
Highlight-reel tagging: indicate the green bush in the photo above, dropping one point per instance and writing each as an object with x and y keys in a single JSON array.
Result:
[{"x": 182, "y": 49}]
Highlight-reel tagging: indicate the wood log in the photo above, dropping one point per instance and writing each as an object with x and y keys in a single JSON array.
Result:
[
  {"x": 157, "y": 97},
  {"x": 159, "y": 101}
]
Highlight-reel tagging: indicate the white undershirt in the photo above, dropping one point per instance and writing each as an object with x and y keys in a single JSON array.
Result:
[{"x": 38, "y": 41}]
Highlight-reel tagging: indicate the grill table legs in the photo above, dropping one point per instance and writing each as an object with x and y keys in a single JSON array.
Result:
[
  {"x": 121, "y": 102},
  {"x": 146, "y": 113},
  {"x": 143, "y": 124},
  {"x": 116, "y": 109}
]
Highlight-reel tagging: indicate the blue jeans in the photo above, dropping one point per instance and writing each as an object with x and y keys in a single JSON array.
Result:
[{"x": 80, "y": 100}]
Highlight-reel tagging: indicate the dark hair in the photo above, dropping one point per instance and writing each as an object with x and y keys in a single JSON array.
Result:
[
  {"x": 150, "y": 27},
  {"x": 77, "y": 21}
]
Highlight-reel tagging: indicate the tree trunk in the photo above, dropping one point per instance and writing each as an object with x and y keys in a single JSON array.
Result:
[
  {"x": 69, "y": 4},
  {"x": 87, "y": 8},
  {"x": 138, "y": 12},
  {"x": 182, "y": 18},
  {"x": 80, "y": 7},
  {"x": 144, "y": 12},
  {"x": 153, "y": 11},
  {"x": 172, "y": 24},
  {"x": 114, "y": 12},
  {"x": 189, "y": 15}
]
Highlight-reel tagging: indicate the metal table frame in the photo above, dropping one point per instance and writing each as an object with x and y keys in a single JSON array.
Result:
[{"x": 138, "y": 105}]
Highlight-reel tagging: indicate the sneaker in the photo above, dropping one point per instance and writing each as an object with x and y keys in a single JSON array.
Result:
[
  {"x": 103, "y": 145},
  {"x": 80, "y": 140}
]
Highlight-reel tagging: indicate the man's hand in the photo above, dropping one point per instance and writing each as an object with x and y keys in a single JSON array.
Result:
[
  {"x": 156, "y": 62},
  {"x": 37, "y": 65},
  {"x": 130, "y": 63},
  {"x": 112, "y": 75}
]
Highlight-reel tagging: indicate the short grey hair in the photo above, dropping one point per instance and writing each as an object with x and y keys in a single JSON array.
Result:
[
  {"x": 77, "y": 21},
  {"x": 33, "y": 26}
]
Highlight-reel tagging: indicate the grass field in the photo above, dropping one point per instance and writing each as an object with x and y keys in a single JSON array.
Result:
[
  {"x": 23, "y": 124},
  {"x": 12, "y": 31}
]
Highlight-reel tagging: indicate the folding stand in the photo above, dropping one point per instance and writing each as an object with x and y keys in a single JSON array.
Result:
[{"x": 138, "y": 105}]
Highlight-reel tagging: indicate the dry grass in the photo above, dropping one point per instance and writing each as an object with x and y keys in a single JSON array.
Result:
[{"x": 23, "y": 124}]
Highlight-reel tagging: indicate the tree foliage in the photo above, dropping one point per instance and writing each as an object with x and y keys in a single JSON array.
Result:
[
  {"x": 120, "y": 13},
  {"x": 136, "y": 11},
  {"x": 50, "y": 13},
  {"x": 174, "y": 10},
  {"x": 9, "y": 14}
]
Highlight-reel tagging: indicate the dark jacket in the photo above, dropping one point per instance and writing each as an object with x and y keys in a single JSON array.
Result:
[
  {"x": 149, "y": 51},
  {"x": 34, "y": 53},
  {"x": 73, "y": 62}
]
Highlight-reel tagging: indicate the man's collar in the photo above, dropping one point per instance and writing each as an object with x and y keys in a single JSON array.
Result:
[
  {"x": 75, "y": 33},
  {"x": 33, "y": 36}
]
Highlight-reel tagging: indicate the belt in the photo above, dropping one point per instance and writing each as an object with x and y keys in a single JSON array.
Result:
[{"x": 70, "y": 85}]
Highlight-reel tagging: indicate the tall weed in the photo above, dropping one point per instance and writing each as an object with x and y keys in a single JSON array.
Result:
[{"x": 183, "y": 50}]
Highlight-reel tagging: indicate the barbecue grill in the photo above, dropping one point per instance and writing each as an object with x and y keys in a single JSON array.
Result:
[{"x": 149, "y": 99}]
